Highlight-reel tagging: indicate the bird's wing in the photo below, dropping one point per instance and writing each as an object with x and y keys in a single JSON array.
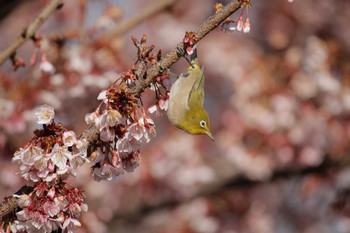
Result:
[{"x": 197, "y": 92}]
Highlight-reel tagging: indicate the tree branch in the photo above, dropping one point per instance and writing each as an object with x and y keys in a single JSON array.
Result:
[
  {"x": 207, "y": 26},
  {"x": 169, "y": 59},
  {"x": 10, "y": 204},
  {"x": 235, "y": 181},
  {"x": 91, "y": 133},
  {"x": 31, "y": 29}
]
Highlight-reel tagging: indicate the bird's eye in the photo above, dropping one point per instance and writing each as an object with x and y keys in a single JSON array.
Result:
[{"x": 203, "y": 123}]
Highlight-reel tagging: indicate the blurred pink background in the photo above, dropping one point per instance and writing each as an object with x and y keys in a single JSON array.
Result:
[{"x": 278, "y": 98}]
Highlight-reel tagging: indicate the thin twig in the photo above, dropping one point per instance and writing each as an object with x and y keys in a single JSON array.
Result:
[
  {"x": 31, "y": 29},
  {"x": 149, "y": 11}
]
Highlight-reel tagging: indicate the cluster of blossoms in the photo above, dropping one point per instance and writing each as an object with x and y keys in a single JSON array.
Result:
[
  {"x": 48, "y": 208},
  {"x": 122, "y": 122},
  {"x": 47, "y": 160},
  {"x": 53, "y": 153},
  {"x": 118, "y": 147},
  {"x": 240, "y": 25}
]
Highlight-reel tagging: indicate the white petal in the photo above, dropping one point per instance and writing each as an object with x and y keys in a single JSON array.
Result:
[
  {"x": 45, "y": 114},
  {"x": 102, "y": 95}
]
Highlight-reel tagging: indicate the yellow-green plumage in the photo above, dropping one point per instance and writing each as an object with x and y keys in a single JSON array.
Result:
[{"x": 186, "y": 100}]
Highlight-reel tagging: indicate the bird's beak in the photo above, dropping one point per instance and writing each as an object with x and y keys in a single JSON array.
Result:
[{"x": 210, "y": 135}]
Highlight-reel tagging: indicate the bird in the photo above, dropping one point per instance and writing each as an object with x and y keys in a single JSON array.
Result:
[{"x": 186, "y": 99}]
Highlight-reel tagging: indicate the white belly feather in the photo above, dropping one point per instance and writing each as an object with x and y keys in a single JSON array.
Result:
[{"x": 178, "y": 98}]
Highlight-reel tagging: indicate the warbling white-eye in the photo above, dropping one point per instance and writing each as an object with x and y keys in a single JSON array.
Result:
[{"x": 186, "y": 100}]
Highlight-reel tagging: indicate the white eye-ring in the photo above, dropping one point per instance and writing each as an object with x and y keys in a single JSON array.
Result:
[{"x": 203, "y": 124}]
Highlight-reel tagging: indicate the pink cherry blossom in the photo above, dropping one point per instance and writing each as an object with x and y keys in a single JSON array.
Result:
[
  {"x": 60, "y": 156},
  {"x": 69, "y": 138},
  {"x": 45, "y": 114}
]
